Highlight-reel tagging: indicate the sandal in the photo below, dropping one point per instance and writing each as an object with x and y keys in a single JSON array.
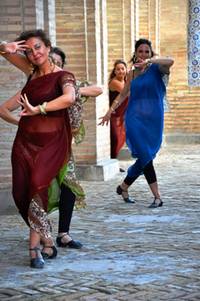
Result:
[
  {"x": 124, "y": 194},
  {"x": 38, "y": 261},
  {"x": 70, "y": 244},
  {"x": 156, "y": 203},
  {"x": 49, "y": 256}
]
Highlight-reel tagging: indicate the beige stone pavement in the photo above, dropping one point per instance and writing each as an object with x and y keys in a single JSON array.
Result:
[{"x": 130, "y": 253}]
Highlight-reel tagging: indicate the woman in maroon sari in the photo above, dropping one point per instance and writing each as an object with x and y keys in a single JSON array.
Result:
[
  {"x": 116, "y": 84},
  {"x": 42, "y": 144}
]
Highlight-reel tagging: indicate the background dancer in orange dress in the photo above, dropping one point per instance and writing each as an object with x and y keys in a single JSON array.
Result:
[{"x": 116, "y": 84}]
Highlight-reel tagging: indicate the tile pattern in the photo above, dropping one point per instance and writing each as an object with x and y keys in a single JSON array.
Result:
[{"x": 194, "y": 43}]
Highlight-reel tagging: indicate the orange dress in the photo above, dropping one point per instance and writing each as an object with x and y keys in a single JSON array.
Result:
[{"x": 117, "y": 129}]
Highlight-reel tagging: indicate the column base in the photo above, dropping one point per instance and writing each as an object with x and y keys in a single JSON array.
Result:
[
  {"x": 180, "y": 138},
  {"x": 103, "y": 171}
]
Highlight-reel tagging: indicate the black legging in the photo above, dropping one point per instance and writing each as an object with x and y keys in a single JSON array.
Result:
[
  {"x": 149, "y": 173},
  {"x": 66, "y": 206}
]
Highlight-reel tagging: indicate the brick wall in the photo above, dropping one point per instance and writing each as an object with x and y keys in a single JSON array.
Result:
[
  {"x": 184, "y": 100},
  {"x": 15, "y": 16},
  {"x": 119, "y": 17},
  {"x": 79, "y": 33},
  {"x": 172, "y": 39}
]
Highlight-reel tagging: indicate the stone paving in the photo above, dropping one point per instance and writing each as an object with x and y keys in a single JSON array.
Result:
[{"x": 131, "y": 252}]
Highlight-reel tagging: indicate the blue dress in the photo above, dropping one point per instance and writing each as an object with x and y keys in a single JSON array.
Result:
[{"x": 145, "y": 117}]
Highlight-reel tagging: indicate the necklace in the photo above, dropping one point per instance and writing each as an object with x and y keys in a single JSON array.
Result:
[{"x": 51, "y": 70}]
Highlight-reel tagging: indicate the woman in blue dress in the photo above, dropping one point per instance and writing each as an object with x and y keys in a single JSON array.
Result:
[{"x": 144, "y": 116}]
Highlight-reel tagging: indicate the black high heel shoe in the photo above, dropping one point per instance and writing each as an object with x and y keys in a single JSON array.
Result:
[
  {"x": 121, "y": 192},
  {"x": 70, "y": 244},
  {"x": 38, "y": 261},
  {"x": 51, "y": 256},
  {"x": 156, "y": 203}
]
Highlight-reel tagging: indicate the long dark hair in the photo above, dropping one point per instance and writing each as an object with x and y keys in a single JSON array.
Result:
[
  {"x": 117, "y": 62},
  {"x": 137, "y": 44}
]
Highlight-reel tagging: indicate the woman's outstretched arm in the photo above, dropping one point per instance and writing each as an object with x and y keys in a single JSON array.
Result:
[
  {"x": 8, "y": 106},
  {"x": 91, "y": 91},
  {"x": 12, "y": 52},
  {"x": 118, "y": 100}
]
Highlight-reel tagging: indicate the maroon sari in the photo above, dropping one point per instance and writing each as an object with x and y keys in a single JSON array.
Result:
[
  {"x": 42, "y": 144},
  {"x": 117, "y": 129}
]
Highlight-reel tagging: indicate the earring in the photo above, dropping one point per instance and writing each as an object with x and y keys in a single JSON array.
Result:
[
  {"x": 31, "y": 68},
  {"x": 50, "y": 61},
  {"x": 52, "y": 64},
  {"x": 134, "y": 58}
]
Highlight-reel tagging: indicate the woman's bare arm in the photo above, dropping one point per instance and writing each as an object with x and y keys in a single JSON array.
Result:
[
  {"x": 8, "y": 106},
  {"x": 116, "y": 85},
  {"x": 164, "y": 63},
  {"x": 12, "y": 52},
  {"x": 59, "y": 103},
  {"x": 92, "y": 91},
  {"x": 118, "y": 100}
]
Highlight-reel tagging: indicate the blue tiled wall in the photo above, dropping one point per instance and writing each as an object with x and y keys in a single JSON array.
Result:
[{"x": 194, "y": 43}]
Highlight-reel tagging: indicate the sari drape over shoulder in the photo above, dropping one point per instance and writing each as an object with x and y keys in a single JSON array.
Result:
[{"x": 42, "y": 144}]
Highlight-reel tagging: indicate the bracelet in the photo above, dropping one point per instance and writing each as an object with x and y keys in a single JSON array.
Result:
[
  {"x": 42, "y": 108},
  {"x": 3, "y": 43},
  {"x": 112, "y": 110},
  {"x": 148, "y": 61}
]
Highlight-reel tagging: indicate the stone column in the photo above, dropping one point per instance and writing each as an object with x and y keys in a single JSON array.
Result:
[
  {"x": 93, "y": 155},
  {"x": 50, "y": 19},
  {"x": 81, "y": 31},
  {"x": 153, "y": 24}
]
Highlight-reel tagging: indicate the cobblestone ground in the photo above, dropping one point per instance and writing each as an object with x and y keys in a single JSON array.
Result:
[{"x": 131, "y": 252}]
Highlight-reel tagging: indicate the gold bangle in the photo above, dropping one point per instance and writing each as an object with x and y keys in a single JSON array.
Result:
[
  {"x": 42, "y": 108},
  {"x": 148, "y": 61},
  {"x": 3, "y": 43}
]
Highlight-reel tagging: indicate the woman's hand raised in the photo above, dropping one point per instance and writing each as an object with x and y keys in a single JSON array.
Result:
[
  {"x": 105, "y": 118},
  {"x": 13, "y": 47},
  {"x": 28, "y": 109}
]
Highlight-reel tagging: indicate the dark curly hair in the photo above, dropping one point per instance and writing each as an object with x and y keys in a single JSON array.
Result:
[
  {"x": 36, "y": 33},
  {"x": 137, "y": 44}
]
